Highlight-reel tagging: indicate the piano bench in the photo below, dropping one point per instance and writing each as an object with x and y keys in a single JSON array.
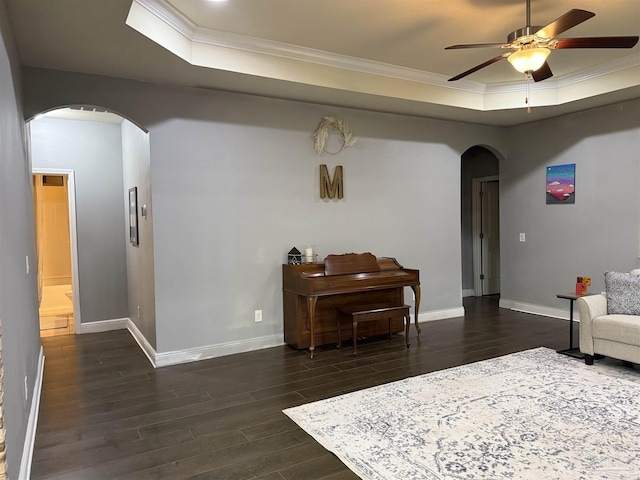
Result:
[{"x": 369, "y": 313}]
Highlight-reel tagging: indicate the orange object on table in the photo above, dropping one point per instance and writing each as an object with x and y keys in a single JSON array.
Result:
[{"x": 581, "y": 289}]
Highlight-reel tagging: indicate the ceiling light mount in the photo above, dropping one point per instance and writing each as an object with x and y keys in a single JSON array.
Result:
[{"x": 520, "y": 35}]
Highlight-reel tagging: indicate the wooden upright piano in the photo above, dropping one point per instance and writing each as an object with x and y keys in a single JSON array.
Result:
[{"x": 313, "y": 292}]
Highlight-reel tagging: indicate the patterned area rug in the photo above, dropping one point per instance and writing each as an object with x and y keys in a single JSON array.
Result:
[{"x": 529, "y": 415}]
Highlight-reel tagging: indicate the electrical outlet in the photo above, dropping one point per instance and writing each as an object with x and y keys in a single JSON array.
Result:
[
  {"x": 258, "y": 315},
  {"x": 522, "y": 237}
]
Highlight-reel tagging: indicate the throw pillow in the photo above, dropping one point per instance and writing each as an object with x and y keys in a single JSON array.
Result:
[{"x": 623, "y": 293}]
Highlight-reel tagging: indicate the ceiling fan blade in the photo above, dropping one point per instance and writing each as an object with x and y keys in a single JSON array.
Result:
[
  {"x": 479, "y": 45},
  {"x": 542, "y": 73},
  {"x": 478, "y": 67},
  {"x": 596, "y": 42},
  {"x": 565, "y": 22}
]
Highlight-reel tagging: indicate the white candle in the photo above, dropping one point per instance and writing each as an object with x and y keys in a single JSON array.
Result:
[{"x": 308, "y": 255}]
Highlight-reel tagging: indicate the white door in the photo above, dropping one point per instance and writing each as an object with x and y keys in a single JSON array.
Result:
[
  {"x": 490, "y": 238},
  {"x": 73, "y": 239}
]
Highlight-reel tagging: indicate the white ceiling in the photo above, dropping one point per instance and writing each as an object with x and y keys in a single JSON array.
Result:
[
  {"x": 85, "y": 114},
  {"x": 385, "y": 55}
]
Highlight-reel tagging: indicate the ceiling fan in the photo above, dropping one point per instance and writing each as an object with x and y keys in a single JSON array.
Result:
[{"x": 531, "y": 45}]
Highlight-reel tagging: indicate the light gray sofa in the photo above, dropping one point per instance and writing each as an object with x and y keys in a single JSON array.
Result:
[{"x": 616, "y": 336}]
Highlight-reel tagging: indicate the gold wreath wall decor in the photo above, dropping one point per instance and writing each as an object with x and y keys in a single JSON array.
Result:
[{"x": 322, "y": 133}]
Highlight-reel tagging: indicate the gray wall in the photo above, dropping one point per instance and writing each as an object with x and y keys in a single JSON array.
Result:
[
  {"x": 94, "y": 151},
  {"x": 235, "y": 186},
  {"x": 476, "y": 162},
  {"x": 140, "y": 268},
  {"x": 601, "y": 231},
  {"x": 18, "y": 291}
]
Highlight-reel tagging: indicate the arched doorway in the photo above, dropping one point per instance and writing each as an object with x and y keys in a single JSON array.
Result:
[
  {"x": 480, "y": 225},
  {"x": 96, "y": 156}
]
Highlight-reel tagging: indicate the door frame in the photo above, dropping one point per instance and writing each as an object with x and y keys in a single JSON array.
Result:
[
  {"x": 476, "y": 228},
  {"x": 73, "y": 236}
]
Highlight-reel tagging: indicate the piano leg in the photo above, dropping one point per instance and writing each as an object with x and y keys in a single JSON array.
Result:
[
  {"x": 311, "y": 312},
  {"x": 354, "y": 327},
  {"x": 406, "y": 319},
  {"x": 416, "y": 292}
]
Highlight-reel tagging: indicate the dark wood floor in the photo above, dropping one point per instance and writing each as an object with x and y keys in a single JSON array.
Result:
[{"x": 105, "y": 413}]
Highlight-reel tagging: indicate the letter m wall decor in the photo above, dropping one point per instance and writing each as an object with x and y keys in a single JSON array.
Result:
[{"x": 331, "y": 188}]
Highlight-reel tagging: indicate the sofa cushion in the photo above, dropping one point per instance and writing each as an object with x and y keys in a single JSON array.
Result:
[
  {"x": 617, "y": 328},
  {"x": 623, "y": 293}
]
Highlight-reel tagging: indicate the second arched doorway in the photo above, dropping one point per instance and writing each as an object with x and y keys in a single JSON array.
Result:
[{"x": 480, "y": 222}]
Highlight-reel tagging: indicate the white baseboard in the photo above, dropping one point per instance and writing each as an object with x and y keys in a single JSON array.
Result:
[
  {"x": 240, "y": 346},
  {"x": 177, "y": 357},
  {"x": 32, "y": 423},
  {"x": 561, "y": 313},
  {"x": 432, "y": 315},
  {"x": 219, "y": 350},
  {"x": 102, "y": 326},
  {"x": 468, "y": 292},
  {"x": 164, "y": 359},
  {"x": 146, "y": 347}
]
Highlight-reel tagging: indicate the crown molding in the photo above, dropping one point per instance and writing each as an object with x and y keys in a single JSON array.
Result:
[
  {"x": 234, "y": 41},
  {"x": 470, "y": 92},
  {"x": 600, "y": 70},
  {"x": 305, "y": 54},
  {"x": 170, "y": 15}
]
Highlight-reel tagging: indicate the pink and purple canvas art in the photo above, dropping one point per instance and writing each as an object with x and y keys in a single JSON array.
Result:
[{"x": 561, "y": 183}]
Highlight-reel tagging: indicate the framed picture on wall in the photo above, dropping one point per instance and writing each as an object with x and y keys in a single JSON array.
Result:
[
  {"x": 561, "y": 184},
  {"x": 133, "y": 216}
]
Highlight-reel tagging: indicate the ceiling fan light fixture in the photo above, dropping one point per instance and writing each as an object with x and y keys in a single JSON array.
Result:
[{"x": 529, "y": 59}]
